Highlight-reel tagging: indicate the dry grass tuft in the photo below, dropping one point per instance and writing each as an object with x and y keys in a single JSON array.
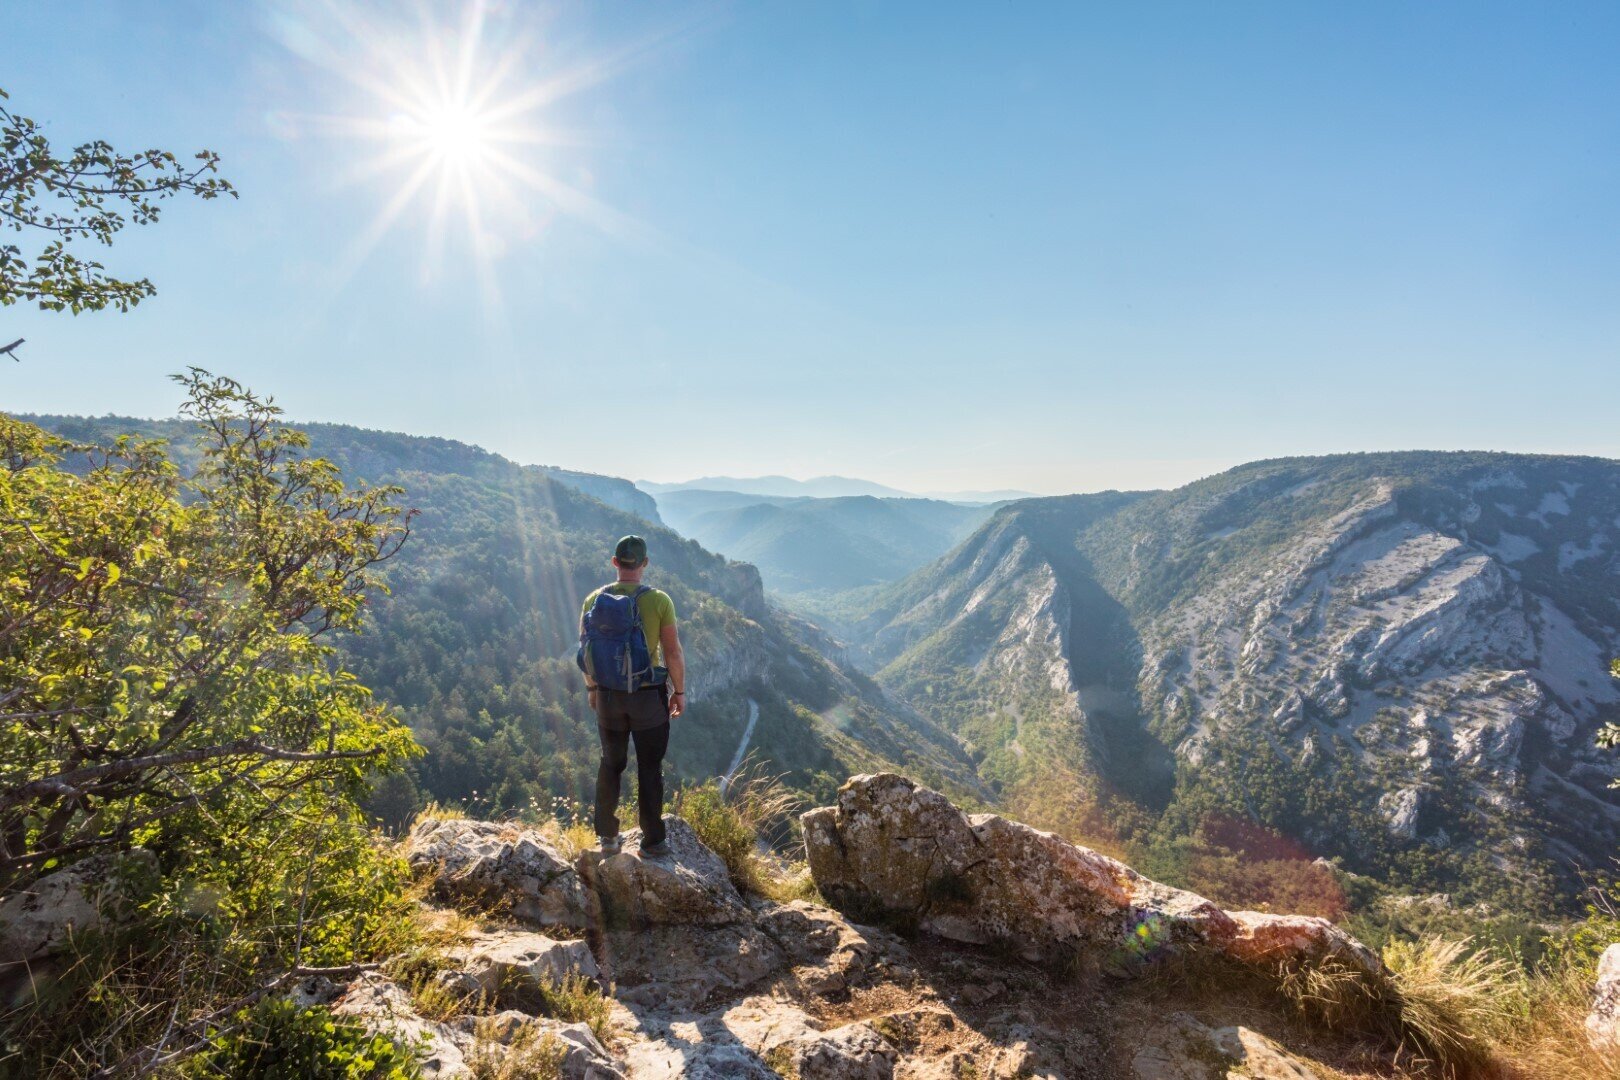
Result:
[
  {"x": 1544, "y": 1034},
  {"x": 531, "y": 1054},
  {"x": 436, "y": 811},
  {"x": 755, "y": 813},
  {"x": 1335, "y": 995},
  {"x": 1455, "y": 1003},
  {"x": 576, "y": 1000}
]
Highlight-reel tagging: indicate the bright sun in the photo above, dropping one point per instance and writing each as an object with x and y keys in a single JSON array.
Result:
[
  {"x": 455, "y": 133},
  {"x": 458, "y": 128}
]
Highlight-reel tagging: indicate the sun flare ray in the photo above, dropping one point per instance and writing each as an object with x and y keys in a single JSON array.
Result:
[{"x": 452, "y": 105}]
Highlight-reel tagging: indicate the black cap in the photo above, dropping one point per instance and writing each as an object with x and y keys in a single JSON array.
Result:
[{"x": 631, "y": 551}]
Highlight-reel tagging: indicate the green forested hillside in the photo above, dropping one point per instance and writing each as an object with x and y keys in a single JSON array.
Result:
[
  {"x": 806, "y": 545},
  {"x": 475, "y": 642}
]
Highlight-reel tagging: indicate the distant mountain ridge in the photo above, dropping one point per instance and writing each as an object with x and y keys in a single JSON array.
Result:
[
  {"x": 822, "y": 487},
  {"x": 1000, "y": 495},
  {"x": 803, "y": 544},
  {"x": 609, "y": 489}
]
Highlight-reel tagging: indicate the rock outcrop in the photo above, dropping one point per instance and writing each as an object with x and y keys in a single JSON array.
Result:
[
  {"x": 90, "y": 895},
  {"x": 1603, "y": 1022},
  {"x": 705, "y": 983},
  {"x": 490, "y": 865},
  {"x": 890, "y": 847},
  {"x": 692, "y": 887}
]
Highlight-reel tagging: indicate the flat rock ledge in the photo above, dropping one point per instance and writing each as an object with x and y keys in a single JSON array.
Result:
[
  {"x": 689, "y": 887},
  {"x": 1183, "y": 1049},
  {"x": 521, "y": 873},
  {"x": 895, "y": 849}
]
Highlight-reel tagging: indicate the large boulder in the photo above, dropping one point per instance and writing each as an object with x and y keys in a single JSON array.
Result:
[
  {"x": 517, "y": 871},
  {"x": 1603, "y": 1022},
  {"x": 689, "y": 887},
  {"x": 94, "y": 893},
  {"x": 892, "y": 848},
  {"x": 1264, "y": 938}
]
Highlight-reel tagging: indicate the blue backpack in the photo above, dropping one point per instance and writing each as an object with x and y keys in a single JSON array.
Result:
[{"x": 613, "y": 650}]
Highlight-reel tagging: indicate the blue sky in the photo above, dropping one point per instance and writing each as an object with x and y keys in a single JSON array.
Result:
[{"x": 1060, "y": 248}]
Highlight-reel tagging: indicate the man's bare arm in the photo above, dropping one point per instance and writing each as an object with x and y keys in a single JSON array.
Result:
[{"x": 675, "y": 661}]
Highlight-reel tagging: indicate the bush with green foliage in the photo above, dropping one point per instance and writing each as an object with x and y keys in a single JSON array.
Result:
[
  {"x": 279, "y": 1040},
  {"x": 163, "y": 671},
  {"x": 166, "y": 683}
]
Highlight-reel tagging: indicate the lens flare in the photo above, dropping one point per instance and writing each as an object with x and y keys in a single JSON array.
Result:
[{"x": 447, "y": 115}]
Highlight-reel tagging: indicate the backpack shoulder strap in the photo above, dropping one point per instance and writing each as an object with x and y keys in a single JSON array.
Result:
[{"x": 635, "y": 604}]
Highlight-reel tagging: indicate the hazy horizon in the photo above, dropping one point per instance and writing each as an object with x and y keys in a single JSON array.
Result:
[{"x": 1046, "y": 248}]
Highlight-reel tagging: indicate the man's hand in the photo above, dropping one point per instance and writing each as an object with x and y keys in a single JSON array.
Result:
[
  {"x": 590, "y": 695},
  {"x": 675, "y": 661}
]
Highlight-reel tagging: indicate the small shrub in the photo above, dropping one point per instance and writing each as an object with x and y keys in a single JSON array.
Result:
[
  {"x": 434, "y": 998},
  {"x": 732, "y": 824},
  {"x": 722, "y": 831},
  {"x": 780, "y": 1060},
  {"x": 420, "y": 962},
  {"x": 278, "y": 1040}
]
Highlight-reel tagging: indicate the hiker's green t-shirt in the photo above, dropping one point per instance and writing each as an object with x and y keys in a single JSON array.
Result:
[{"x": 657, "y": 612}]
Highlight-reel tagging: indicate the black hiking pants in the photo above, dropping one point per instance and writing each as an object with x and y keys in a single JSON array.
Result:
[{"x": 614, "y": 720}]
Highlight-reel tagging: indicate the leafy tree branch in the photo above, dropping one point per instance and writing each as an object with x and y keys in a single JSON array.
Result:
[{"x": 89, "y": 195}]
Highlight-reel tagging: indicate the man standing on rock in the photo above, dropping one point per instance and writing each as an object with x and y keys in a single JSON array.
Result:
[{"x": 635, "y": 674}]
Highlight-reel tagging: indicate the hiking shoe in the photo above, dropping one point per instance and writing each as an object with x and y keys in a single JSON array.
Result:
[
  {"x": 659, "y": 850},
  {"x": 610, "y": 845}
]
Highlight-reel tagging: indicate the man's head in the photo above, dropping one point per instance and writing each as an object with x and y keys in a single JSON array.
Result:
[{"x": 630, "y": 554}]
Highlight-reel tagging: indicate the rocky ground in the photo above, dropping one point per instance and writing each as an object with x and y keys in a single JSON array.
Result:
[
  {"x": 955, "y": 946},
  {"x": 982, "y": 948}
]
